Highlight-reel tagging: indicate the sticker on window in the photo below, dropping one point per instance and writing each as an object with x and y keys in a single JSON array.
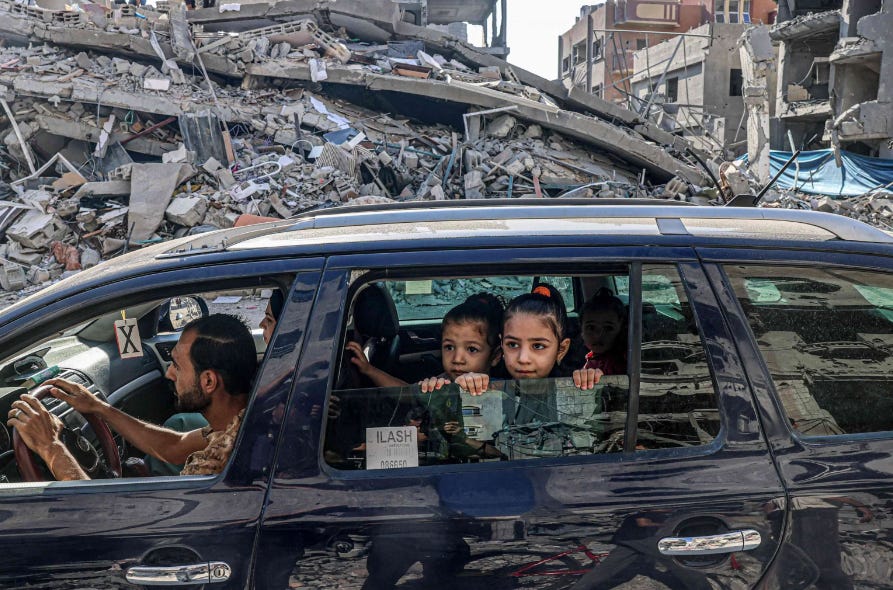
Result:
[
  {"x": 419, "y": 287},
  {"x": 392, "y": 447}
]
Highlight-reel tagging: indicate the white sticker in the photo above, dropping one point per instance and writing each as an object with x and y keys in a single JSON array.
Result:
[
  {"x": 128, "y": 337},
  {"x": 392, "y": 447},
  {"x": 418, "y": 287}
]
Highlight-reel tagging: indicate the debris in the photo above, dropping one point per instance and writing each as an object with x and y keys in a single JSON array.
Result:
[{"x": 144, "y": 128}]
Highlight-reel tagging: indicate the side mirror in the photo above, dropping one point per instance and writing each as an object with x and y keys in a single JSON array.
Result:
[{"x": 179, "y": 311}]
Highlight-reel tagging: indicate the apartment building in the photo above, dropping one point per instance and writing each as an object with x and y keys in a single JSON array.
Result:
[
  {"x": 596, "y": 53},
  {"x": 835, "y": 76}
]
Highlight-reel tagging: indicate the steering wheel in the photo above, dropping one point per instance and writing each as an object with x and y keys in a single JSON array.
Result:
[{"x": 28, "y": 463}]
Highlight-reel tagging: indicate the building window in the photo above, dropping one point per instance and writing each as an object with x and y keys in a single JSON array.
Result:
[
  {"x": 672, "y": 89},
  {"x": 641, "y": 44},
  {"x": 597, "y": 90},
  {"x": 736, "y": 82},
  {"x": 596, "y": 49},
  {"x": 566, "y": 64},
  {"x": 733, "y": 12},
  {"x": 579, "y": 52}
]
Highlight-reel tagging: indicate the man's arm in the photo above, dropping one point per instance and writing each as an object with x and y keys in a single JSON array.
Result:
[{"x": 168, "y": 445}]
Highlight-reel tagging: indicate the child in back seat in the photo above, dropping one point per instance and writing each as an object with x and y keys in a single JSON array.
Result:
[
  {"x": 534, "y": 341},
  {"x": 603, "y": 323},
  {"x": 469, "y": 344}
]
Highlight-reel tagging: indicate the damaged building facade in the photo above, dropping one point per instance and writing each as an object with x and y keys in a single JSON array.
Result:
[
  {"x": 834, "y": 72},
  {"x": 122, "y": 129},
  {"x": 693, "y": 85},
  {"x": 597, "y": 53}
]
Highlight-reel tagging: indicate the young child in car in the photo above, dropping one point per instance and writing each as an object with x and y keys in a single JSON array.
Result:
[
  {"x": 534, "y": 341},
  {"x": 469, "y": 344},
  {"x": 603, "y": 322}
]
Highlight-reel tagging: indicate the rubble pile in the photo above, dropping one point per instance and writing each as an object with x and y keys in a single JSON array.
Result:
[{"x": 125, "y": 127}]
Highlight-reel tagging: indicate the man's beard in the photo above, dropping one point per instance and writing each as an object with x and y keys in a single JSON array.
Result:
[{"x": 192, "y": 400}]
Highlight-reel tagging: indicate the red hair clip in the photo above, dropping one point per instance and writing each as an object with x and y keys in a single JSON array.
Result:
[{"x": 544, "y": 291}]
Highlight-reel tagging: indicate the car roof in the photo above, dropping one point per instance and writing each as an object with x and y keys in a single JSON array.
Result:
[{"x": 362, "y": 227}]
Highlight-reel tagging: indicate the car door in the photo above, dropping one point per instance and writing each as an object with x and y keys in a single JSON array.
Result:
[
  {"x": 681, "y": 516},
  {"x": 815, "y": 333},
  {"x": 116, "y": 533}
]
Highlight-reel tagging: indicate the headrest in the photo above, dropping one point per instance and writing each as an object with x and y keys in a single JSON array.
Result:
[{"x": 374, "y": 313}]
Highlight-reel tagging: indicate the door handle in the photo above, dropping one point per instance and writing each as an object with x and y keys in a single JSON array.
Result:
[
  {"x": 179, "y": 575},
  {"x": 712, "y": 544}
]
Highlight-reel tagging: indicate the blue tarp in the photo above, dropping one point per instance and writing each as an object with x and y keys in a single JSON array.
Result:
[{"x": 819, "y": 174}]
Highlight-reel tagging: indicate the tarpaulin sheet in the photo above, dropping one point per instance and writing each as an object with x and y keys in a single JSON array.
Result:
[{"x": 819, "y": 174}]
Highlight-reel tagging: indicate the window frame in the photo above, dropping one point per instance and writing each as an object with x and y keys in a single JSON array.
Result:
[
  {"x": 837, "y": 255},
  {"x": 809, "y": 440},
  {"x": 573, "y": 260},
  {"x": 125, "y": 291}
]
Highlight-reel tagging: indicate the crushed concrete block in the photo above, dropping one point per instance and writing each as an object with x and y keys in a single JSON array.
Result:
[
  {"x": 502, "y": 126},
  {"x": 90, "y": 257},
  {"x": 137, "y": 69},
  {"x": 186, "y": 211},
  {"x": 12, "y": 277},
  {"x": 18, "y": 253},
  {"x": 84, "y": 62},
  {"x": 411, "y": 161},
  {"x": 181, "y": 154},
  {"x": 151, "y": 188},
  {"x": 163, "y": 84},
  {"x": 533, "y": 132},
  {"x": 35, "y": 229},
  {"x": 38, "y": 275},
  {"x": 122, "y": 66},
  {"x": 826, "y": 204}
]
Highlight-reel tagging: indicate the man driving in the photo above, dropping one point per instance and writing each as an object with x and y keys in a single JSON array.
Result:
[{"x": 213, "y": 367}]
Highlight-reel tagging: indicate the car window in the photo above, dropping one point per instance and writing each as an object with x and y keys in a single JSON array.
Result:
[
  {"x": 826, "y": 337},
  {"x": 126, "y": 365},
  {"x": 377, "y": 423}
]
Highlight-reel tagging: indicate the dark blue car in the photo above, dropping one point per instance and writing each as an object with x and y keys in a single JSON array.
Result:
[{"x": 740, "y": 436}]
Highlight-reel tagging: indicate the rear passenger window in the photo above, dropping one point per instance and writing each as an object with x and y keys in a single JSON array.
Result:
[
  {"x": 827, "y": 339},
  {"x": 380, "y": 417}
]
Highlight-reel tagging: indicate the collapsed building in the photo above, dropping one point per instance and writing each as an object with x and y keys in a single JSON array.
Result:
[
  {"x": 834, "y": 73},
  {"x": 129, "y": 125}
]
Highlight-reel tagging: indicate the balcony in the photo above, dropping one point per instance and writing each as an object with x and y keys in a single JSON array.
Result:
[{"x": 647, "y": 12}]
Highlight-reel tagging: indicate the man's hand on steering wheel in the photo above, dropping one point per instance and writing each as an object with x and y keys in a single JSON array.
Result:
[
  {"x": 36, "y": 429},
  {"x": 77, "y": 396},
  {"x": 35, "y": 424}
]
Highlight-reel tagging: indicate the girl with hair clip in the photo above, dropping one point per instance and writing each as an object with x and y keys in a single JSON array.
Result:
[{"x": 534, "y": 341}]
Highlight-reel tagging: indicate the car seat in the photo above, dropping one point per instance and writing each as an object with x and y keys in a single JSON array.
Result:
[{"x": 376, "y": 329}]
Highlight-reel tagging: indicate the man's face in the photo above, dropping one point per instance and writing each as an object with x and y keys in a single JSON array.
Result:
[{"x": 190, "y": 397}]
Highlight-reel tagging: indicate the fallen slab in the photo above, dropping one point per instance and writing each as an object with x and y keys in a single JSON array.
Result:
[{"x": 592, "y": 130}]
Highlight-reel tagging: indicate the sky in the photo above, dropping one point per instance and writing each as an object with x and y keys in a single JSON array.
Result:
[{"x": 533, "y": 30}]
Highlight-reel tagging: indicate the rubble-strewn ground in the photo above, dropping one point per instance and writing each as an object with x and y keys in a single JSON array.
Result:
[{"x": 122, "y": 128}]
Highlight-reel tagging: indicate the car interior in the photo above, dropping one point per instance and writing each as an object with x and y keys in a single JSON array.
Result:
[
  {"x": 89, "y": 354},
  {"x": 398, "y": 324}
]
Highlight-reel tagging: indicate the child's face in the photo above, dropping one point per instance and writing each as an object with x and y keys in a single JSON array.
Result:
[
  {"x": 530, "y": 347},
  {"x": 601, "y": 329},
  {"x": 464, "y": 349}
]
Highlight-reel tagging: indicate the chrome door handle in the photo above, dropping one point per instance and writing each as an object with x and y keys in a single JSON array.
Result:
[
  {"x": 179, "y": 575},
  {"x": 710, "y": 545}
]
